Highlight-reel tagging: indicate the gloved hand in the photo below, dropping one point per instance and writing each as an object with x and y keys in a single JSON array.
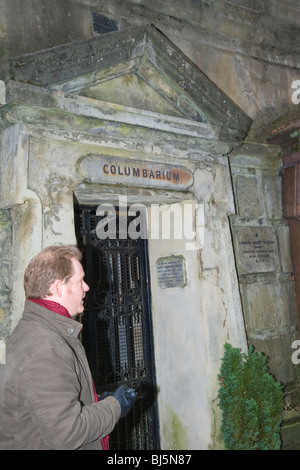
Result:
[{"x": 126, "y": 397}]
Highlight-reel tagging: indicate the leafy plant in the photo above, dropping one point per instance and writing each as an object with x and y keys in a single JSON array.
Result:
[{"x": 251, "y": 401}]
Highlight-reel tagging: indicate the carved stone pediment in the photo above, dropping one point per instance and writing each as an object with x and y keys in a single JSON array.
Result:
[{"x": 136, "y": 69}]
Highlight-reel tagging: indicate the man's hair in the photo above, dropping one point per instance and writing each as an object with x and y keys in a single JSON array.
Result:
[{"x": 54, "y": 262}]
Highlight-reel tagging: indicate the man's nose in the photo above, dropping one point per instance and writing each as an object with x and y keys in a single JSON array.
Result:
[{"x": 85, "y": 287}]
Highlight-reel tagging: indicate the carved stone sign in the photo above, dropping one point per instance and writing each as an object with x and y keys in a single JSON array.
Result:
[
  {"x": 171, "y": 272},
  {"x": 113, "y": 170},
  {"x": 256, "y": 249}
]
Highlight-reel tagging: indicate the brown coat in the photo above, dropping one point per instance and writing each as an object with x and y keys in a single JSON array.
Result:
[{"x": 46, "y": 390}]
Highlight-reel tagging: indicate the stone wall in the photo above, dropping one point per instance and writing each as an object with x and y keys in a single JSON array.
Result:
[
  {"x": 40, "y": 24},
  {"x": 5, "y": 276},
  {"x": 250, "y": 49},
  {"x": 263, "y": 259}
]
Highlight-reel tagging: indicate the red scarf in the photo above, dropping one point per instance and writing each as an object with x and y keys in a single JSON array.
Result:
[
  {"x": 57, "y": 308},
  {"x": 104, "y": 440},
  {"x": 53, "y": 306}
]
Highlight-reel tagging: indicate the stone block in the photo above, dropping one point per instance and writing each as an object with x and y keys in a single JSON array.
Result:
[
  {"x": 290, "y": 436},
  {"x": 249, "y": 197},
  {"x": 269, "y": 306},
  {"x": 284, "y": 244},
  {"x": 279, "y": 353},
  {"x": 272, "y": 191},
  {"x": 286, "y": 304},
  {"x": 48, "y": 22},
  {"x": 260, "y": 309}
]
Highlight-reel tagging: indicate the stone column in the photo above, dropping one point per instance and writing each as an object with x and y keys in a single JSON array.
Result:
[{"x": 20, "y": 223}]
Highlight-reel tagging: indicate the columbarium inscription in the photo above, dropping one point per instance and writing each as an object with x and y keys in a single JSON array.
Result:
[
  {"x": 256, "y": 249},
  {"x": 114, "y": 170}
]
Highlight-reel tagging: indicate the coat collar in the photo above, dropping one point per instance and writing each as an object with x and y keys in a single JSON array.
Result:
[{"x": 66, "y": 327}]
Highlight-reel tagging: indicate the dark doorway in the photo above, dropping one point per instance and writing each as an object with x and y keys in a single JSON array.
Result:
[{"x": 117, "y": 333}]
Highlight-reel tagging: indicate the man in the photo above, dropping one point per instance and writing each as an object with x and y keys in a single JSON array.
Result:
[{"x": 47, "y": 397}]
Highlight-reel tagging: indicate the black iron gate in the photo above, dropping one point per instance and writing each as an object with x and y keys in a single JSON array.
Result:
[{"x": 117, "y": 333}]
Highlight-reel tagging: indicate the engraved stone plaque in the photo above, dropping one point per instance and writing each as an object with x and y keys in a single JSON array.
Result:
[
  {"x": 171, "y": 272},
  {"x": 256, "y": 249},
  {"x": 113, "y": 170}
]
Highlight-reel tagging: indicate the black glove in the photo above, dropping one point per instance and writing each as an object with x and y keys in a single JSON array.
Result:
[{"x": 126, "y": 397}]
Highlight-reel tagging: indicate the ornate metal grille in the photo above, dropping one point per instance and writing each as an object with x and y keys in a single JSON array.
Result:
[
  {"x": 102, "y": 24},
  {"x": 117, "y": 333}
]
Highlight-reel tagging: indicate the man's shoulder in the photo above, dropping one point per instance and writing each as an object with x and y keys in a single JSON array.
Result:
[{"x": 28, "y": 341}]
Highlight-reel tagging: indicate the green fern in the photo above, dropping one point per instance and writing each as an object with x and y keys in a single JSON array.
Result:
[{"x": 251, "y": 402}]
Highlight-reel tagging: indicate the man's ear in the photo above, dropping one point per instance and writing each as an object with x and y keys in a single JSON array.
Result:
[{"x": 55, "y": 288}]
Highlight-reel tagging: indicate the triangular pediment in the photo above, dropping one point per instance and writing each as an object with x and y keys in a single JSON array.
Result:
[
  {"x": 137, "y": 68},
  {"x": 126, "y": 85}
]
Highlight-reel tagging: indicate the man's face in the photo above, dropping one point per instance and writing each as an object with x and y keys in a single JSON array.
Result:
[{"x": 73, "y": 291}]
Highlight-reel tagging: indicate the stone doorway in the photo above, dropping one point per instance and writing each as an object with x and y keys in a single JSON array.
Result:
[{"x": 117, "y": 333}]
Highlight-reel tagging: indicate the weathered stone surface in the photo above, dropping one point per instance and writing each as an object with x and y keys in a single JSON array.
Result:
[
  {"x": 269, "y": 307},
  {"x": 264, "y": 269},
  {"x": 249, "y": 49},
  {"x": 41, "y": 25},
  {"x": 197, "y": 97},
  {"x": 249, "y": 197},
  {"x": 284, "y": 244},
  {"x": 6, "y": 278},
  {"x": 278, "y": 350},
  {"x": 290, "y": 435},
  {"x": 272, "y": 193}
]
